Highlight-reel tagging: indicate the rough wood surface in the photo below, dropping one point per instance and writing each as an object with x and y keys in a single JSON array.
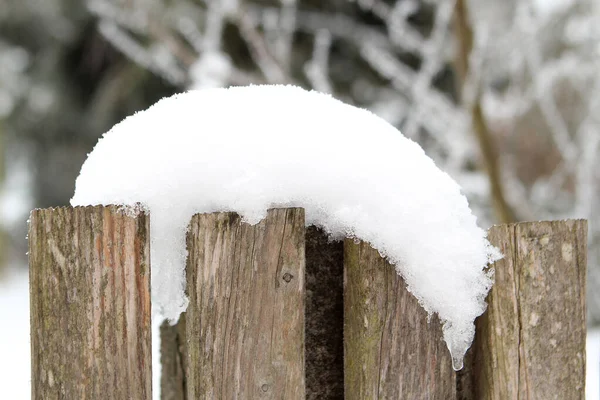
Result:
[
  {"x": 324, "y": 316},
  {"x": 90, "y": 304},
  {"x": 530, "y": 343},
  {"x": 172, "y": 355},
  {"x": 245, "y": 320},
  {"x": 391, "y": 351}
]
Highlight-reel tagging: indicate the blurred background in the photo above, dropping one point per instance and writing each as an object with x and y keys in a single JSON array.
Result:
[{"x": 504, "y": 95}]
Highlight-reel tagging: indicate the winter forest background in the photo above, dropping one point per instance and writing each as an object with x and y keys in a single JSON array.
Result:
[{"x": 503, "y": 94}]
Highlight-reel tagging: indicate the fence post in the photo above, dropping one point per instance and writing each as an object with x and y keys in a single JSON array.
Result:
[
  {"x": 172, "y": 357},
  {"x": 244, "y": 332},
  {"x": 530, "y": 343},
  {"x": 391, "y": 351},
  {"x": 90, "y": 304},
  {"x": 244, "y": 326},
  {"x": 324, "y": 316}
]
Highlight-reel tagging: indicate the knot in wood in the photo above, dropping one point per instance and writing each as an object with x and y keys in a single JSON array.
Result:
[
  {"x": 287, "y": 277},
  {"x": 264, "y": 387}
]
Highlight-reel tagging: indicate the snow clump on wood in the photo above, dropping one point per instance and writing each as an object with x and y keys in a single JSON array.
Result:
[{"x": 248, "y": 149}]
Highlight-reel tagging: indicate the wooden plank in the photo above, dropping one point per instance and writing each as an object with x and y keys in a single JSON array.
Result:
[
  {"x": 391, "y": 351},
  {"x": 245, "y": 320},
  {"x": 172, "y": 350},
  {"x": 90, "y": 304},
  {"x": 324, "y": 316},
  {"x": 530, "y": 343}
]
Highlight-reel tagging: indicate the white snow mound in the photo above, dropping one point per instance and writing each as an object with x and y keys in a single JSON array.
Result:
[{"x": 247, "y": 149}]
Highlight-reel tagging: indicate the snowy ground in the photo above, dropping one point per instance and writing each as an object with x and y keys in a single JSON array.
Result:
[
  {"x": 14, "y": 343},
  {"x": 592, "y": 390},
  {"x": 14, "y": 335},
  {"x": 14, "y": 339}
]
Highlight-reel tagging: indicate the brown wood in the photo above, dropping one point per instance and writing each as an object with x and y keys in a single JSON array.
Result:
[
  {"x": 172, "y": 351},
  {"x": 391, "y": 351},
  {"x": 245, "y": 320},
  {"x": 90, "y": 304},
  {"x": 530, "y": 343},
  {"x": 324, "y": 316},
  {"x": 324, "y": 313}
]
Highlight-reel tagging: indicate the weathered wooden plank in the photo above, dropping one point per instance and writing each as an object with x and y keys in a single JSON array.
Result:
[
  {"x": 245, "y": 321},
  {"x": 324, "y": 316},
  {"x": 172, "y": 351},
  {"x": 530, "y": 343},
  {"x": 391, "y": 351},
  {"x": 90, "y": 304},
  {"x": 324, "y": 310}
]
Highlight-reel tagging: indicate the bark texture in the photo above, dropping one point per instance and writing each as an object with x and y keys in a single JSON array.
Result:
[
  {"x": 530, "y": 343},
  {"x": 245, "y": 321},
  {"x": 391, "y": 350},
  {"x": 90, "y": 304}
]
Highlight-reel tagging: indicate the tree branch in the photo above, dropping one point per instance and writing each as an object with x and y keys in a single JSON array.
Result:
[{"x": 464, "y": 36}]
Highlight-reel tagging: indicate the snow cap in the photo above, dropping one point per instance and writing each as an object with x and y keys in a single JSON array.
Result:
[{"x": 247, "y": 149}]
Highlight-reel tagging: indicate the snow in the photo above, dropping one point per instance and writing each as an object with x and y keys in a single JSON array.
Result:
[
  {"x": 592, "y": 370},
  {"x": 548, "y": 8},
  {"x": 15, "y": 367},
  {"x": 248, "y": 149},
  {"x": 211, "y": 70}
]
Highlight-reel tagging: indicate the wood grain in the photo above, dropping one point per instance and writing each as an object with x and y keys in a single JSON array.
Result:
[
  {"x": 90, "y": 304},
  {"x": 391, "y": 351},
  {"x": 172, "y": 357},
  {"x": 530, "y": 343},
  {"x": 324, "y": 316},
  {"x": 245, "y": 321},
  {"x": 243, "y": 334}
]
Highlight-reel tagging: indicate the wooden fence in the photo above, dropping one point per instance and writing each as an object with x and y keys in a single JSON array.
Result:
[{"x": 279, "y": 312}]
